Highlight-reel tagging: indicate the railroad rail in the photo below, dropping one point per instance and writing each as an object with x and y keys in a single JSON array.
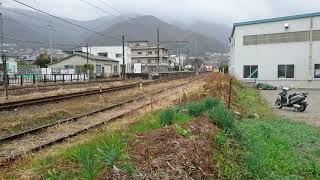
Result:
[
  {"x": 48, "y": 85},
  {"x": 48, "y": 99},
  {"x": 7, "y": 157}
]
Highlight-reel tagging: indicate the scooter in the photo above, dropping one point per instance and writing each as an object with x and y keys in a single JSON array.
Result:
[{"x": 296, "y": 100}]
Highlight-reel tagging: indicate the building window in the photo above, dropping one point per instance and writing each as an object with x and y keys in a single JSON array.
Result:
[
  {"x": 137, "y": 44},
  {"x": 139, "y": 52},
  {"x": 149, "y": 52},
  {"x": 118, "y": 55},
  {"x": 286, "y": 71},
  {"x": 115, "y": 69},
  {"x": 250, "y": 71},
  {"x": 149, "y": 61},
  {"x": 68, "y": 67},
  {"x": 104, "y": 54},
  {"x": 317, "y": 71},
  {"x": 300, "y": 36}
]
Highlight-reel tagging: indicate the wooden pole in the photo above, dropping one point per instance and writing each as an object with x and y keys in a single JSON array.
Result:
[{"x": 230, "y": 93}]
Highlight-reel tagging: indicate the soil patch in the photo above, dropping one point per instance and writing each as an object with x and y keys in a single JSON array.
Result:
[{"x": 164, "y": 154}]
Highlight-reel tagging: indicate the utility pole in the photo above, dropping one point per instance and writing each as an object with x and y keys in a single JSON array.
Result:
[
  {"x": 158, "y": 47},
  {"x": 179, "y": 60},
  {"x": 51, "y": 51},
  {"x": 4, "y": 60},
  {"x": 87, "y": 68},
  {"x": 123, "y": 60}
]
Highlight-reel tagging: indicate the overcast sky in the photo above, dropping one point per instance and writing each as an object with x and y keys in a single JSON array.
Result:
[{"x": 221, "y": 11}]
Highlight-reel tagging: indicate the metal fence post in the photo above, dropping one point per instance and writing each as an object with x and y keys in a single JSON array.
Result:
[
  {"x": 21, "y": 80},
  {"x": 44, "y": 78},
  {"x": 78, "y": 78},
  {"x": 62, "y": 78},
  {"x": 55, "y": 78},
  {"x": 84, "y": 77},
  {"x": 71, "y": 77},
  {"x": 33, "y": 78}
]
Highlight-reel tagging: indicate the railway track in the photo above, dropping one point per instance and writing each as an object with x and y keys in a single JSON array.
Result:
[
  {"x": 14, "y": 146},
  {"x": 48, "y": 99},
  {"x": 42, "y": 86}
]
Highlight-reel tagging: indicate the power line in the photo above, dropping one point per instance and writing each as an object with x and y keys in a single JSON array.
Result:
[
  {"x": 37, "y": 19},
  {"x": 91, "y": 4},
  {"x": 61, "y": 19},
  {"x": 103, "y": 2}
]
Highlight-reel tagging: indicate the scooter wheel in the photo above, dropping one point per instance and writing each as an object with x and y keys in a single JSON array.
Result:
[
  {"x": 302, "y": 108},
  {"x": 278, "y": 104}
]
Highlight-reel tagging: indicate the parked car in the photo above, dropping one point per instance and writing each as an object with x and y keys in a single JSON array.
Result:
[{"x": 265, "y": 86}]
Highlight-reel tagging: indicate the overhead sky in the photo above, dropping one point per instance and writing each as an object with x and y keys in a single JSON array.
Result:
[{"x": 221, "y": 11}]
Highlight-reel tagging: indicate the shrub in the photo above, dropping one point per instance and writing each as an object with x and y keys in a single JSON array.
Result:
[
  {"x": 210, "y": 102},
  {"x": 167, "y": 116},
  {"x": 222, "y": 117},
  {"x": 196, "y": 109},
  {"x": 84, "y": 157}
]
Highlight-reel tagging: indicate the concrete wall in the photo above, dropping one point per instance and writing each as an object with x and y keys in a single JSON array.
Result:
[{"x": 269, "y": 56}]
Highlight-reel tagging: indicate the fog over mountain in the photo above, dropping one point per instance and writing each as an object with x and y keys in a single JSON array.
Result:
[{"x": 33, "y": 26}]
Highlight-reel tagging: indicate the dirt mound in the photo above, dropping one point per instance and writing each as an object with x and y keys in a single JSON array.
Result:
[{"x": 164, "y": 154}]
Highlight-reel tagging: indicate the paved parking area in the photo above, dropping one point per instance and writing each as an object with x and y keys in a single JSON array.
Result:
[{"x": 310, "y": 116}]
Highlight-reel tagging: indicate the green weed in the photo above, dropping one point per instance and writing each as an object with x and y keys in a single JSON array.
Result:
[
  {"x": 127, "y": 166},
  {"x": 196, "y": 109},
  {"x": 55, "y": 175},
  {"x": 183, "y": 132},
  {"x": 226, "y": 157},
  {"x": 108, "y": 154},
  {"x": 220, "y": 138},
  {"x": 167, "y": 117},
  {"x": 222, "y": 117},
  {"x": 210, "y": 102},
  {"x": 84, "y": 157}
]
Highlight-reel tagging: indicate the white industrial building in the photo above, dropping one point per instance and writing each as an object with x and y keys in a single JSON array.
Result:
[
  {"x": 112, "y": 52},
  {"x": 281, "y": 51}
]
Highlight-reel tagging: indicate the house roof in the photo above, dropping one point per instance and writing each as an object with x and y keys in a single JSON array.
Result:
[
  {"x": 274, "y": 20},
  {"x": 147, "y": 48},
  {"x": 138, "y": 41},
  {"x": 84, "y": 55}
]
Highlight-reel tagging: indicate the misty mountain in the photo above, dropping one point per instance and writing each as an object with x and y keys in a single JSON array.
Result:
[
  {"x": 33, "y": 26},
  {"x": 219, "y": 31},
  {"x": 144, "y": 28}
]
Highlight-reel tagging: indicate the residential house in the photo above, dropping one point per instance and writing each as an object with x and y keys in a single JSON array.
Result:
[{"x": 102, "y": 66}]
